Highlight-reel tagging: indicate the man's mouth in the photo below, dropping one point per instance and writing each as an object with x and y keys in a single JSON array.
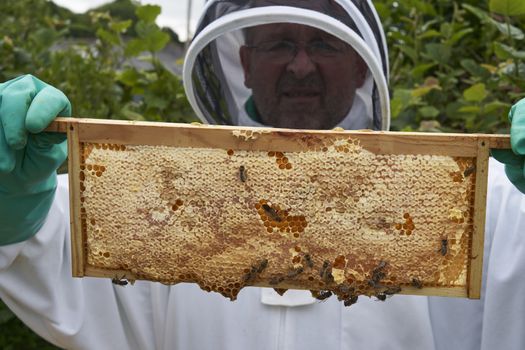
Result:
[
  {"x": 295, "y": 94},
  {"x": 304, "y": 90},
  {"x": 300, "y": 94}
]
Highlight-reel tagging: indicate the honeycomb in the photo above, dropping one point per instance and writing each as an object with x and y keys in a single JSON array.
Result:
[{"x": 336, "y": 218}]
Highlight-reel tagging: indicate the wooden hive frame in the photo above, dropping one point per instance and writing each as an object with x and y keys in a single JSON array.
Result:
[{"x": 82, "y": 132}]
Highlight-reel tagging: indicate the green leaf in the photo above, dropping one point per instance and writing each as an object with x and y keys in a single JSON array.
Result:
[
  {"x": 474, "y": 68},
  {"x": 510, "y": 51},
  {"x": 424, "y": 7},
  {"x": 157, "y": 40},
  {"x": 475, "y": 93},
  {"x": 402, "y": 99},
  {"x": 420, "y": 69},
  {"x": 446, "y": 29},
  {"x": 438, "y": 52},
  {"x": 128, "y": 114},
  {"x": 432, "y": 33},
  {"x": 458, "y": 36},
  {"x": 135, "y": 46},
  {"x": 495, "y": 106},
  {"x": 501, "y": 53},
  {"x": 120, "y": 27},
  {"x": 396, "y": 107},
  {"x": 153, "y": 101},
  {"x": 410, "y": 52},
  {"x": 423, "y": 90},
  {"x": 507, "y": 7},
  {"x": 108, "y": 37},
  {"x": 129, "y": 77},
  {"x": 429, "y": 112},
  {"x": 148, "y": 13},
  {"x": 470, "y": 109},
  {"x": 143, "y": 28},
  {"x": 476, "y": 11},
  {"x": 508, "y": 30}
]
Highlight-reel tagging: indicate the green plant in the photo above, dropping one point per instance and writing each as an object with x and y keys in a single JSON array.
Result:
[
  {"x": 110, "y": 76},
  {"x": 455, "y": 65}
]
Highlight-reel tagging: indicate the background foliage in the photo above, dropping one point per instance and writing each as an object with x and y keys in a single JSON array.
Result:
[
  {"x": 456, "y": 66},
  {"x": 107, "y": 75}
]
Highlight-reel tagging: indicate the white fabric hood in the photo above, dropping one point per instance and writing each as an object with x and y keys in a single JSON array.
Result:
[{"x": 213, "y": 75}]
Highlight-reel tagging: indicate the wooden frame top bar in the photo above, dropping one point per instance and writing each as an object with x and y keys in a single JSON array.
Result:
[{"x": 208, "y": 136}]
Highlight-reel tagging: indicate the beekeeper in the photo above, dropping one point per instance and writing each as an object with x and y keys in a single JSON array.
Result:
[{"x": 303, "y": 65}]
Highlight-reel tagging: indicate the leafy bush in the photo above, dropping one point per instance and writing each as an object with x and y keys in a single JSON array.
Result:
[
  {"x": 455, "y": 65},
  {"x": 104, "y": 77}
]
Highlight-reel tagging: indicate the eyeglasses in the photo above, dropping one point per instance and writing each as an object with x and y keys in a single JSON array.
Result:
[{"x": 284, "y": 51}]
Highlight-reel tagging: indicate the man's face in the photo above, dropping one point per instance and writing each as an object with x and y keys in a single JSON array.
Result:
[{"x": 301, "y": 77}]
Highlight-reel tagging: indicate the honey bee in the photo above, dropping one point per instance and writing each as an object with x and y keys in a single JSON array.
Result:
[
  {"x": 377, "y": 275},
  {"x": 417, "y": 283},
  {"x": 272, "y": 213},
  {"x": 392, "y": 290},
  {"x": 119, "y": 281},
  {"x": 387, "y": 292},
  {"x": 295, "y": 272},
  {"x": 323, "y": 295},
  {"x": 444, "y": 247},
  {"x": 255, "y": 270},
  {"x": 243, "y": 174},
  {"x": 326, "y": 272},
  {"x": 250, "y": 275},
  {"x": 308, "y": 260},
  {"x": 374, "y": 283},
  {"x": 469, "y": 171},
  {"x": 345, "y": 289},
  {"x": 382, "y": 264},
  {"x": 350, "y": 301},
  {"x": 262, "y": 265},
  {"x": 276, "y": 280},
  {"x": 381, "y": 296}
]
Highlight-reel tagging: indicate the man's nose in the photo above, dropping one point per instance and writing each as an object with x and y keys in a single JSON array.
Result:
[{"x": 301, "y": 65}]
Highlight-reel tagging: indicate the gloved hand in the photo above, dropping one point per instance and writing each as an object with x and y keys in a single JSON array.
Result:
[
  {"x": 28, "y": 158},
  {"x": 515, "y": 160}
]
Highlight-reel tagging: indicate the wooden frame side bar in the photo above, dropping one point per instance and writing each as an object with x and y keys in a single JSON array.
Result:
[
  {"x": 77, "y": 249},
  {"x": 478, "y": 237}
]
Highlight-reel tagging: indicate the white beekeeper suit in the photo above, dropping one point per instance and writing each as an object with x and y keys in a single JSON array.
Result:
[{"x": 91, "y": 313}]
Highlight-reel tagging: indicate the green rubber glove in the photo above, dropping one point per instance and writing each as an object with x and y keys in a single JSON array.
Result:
[
  {"x": 515, "y": 160},
  {"x": 28, "y": 158}
]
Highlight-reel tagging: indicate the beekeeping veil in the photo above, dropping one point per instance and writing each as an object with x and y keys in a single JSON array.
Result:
[{"x": 213, "y": 74}]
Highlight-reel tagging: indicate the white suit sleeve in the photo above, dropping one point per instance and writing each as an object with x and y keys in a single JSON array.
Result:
[{"x": 87, "y": 313}]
